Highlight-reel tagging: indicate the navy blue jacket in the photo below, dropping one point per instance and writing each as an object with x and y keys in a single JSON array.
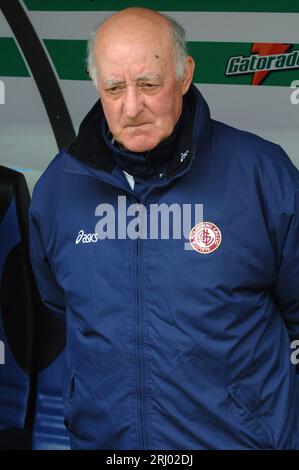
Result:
[{"x": 167, "y": 347}]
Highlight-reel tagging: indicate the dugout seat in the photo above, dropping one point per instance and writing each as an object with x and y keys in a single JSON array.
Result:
[{"x": 16, "y": 314}]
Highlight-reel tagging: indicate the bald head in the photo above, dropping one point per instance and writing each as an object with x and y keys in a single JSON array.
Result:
[
  {"x": 133, "y": 22},
  {"x": 141, "y": 72},
  {"x": 136, "y": 18}
]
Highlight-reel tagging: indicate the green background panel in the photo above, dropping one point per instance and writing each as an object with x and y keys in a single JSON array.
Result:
[
  {"x": 11, "y": 61},
  {"x": 68, "y": 57},
  {"x": 211, "y": 61},
  {"x": 166, "y": 5}
]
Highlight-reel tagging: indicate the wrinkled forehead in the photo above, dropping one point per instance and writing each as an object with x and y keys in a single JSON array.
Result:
[{"x": 134, "y": 40}]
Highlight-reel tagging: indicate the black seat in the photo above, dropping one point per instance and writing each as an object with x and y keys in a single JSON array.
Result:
[
  {"x": 32, "y": 341},
  {"x": 17, "y": 307}
]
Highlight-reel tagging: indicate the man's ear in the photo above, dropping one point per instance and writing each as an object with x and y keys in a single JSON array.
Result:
[{"x": 188, "y": 74}]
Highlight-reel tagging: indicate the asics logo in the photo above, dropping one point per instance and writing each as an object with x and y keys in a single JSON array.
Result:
[{"x": 86, "y": 237}]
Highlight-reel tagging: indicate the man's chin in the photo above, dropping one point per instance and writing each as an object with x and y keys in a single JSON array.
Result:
[{"x": 139, "y": 145}]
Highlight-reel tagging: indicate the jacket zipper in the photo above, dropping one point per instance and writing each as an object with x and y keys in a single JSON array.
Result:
[
  {"x": 139, "y": 335},
  {"x": 139, "y": 314}
]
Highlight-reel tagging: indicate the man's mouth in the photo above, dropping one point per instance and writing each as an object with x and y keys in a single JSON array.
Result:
[{"x": 137, "y": 125}]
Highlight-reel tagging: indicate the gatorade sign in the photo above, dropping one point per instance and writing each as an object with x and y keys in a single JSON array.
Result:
[{"x": 265, "y": 58}]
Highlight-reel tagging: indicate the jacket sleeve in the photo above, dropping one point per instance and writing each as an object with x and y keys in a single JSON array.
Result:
[
  {"x": 51, "y": 294},
  {"x": 286, "y": 288}
]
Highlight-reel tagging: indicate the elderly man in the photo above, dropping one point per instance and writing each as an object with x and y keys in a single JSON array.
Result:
[{"x": 171, "y": 343}]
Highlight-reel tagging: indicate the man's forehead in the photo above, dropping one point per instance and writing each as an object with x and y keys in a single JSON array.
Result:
[
  {"x": 126, "y": 47},
  {"x": 139, "y": 54},
  {"x": 126, "y": 41},
  {"x": 135, "y": 67}
]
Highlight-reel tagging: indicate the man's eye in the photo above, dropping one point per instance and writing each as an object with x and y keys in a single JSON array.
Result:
[
  {"x": 149, "y": 86},
  {"x": 114, "y": 89}
]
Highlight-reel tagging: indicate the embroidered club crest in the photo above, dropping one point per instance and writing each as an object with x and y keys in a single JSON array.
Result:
[{"x": 205, "y": 237}]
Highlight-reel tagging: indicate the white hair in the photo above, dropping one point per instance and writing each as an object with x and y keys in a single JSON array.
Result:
[{"x": 179, "y": 43}]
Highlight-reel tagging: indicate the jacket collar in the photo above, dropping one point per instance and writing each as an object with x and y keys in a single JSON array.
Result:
[
  {"x": 151, "y": 162},
  {"x": 90, "y": 147}
]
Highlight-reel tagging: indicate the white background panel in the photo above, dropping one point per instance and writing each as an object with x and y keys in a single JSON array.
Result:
[
  {"x": 200, "y": 26},
  {"x": 26, "y": 137},
  {"x": 5, "y": 30}
]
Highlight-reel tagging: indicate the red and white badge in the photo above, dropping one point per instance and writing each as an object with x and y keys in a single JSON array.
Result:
[{"x": 205, "y": 237}]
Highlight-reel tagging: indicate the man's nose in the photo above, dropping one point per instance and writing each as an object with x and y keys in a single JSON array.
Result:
[{"x": 133, "y": 102}]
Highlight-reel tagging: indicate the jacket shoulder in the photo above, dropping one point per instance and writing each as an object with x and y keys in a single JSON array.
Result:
[
  {"x": 256, "y": 160},
  {"x": 249, "y": 149}
]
